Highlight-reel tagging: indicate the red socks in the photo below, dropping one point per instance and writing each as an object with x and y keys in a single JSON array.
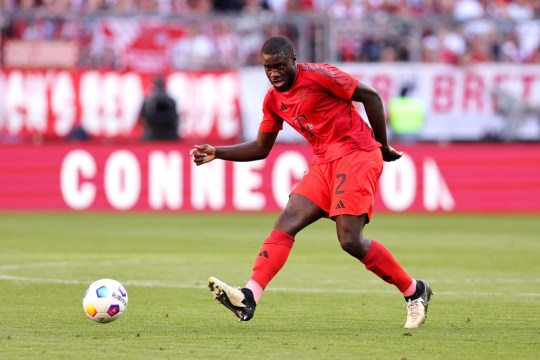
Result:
[
  {"x": 383, "y": 264},
  {"x": 274, "y": 252},
  {"x": 276, "y": 248}
]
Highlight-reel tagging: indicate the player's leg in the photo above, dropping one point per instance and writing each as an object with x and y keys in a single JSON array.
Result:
[
  {"x": 354, "y": 184},
  {"x": 371, "y": 253},
  {"x": 306, "y": 205},
  {"x": 379, "y": 260},
  {"x": 299, "y": 213}
]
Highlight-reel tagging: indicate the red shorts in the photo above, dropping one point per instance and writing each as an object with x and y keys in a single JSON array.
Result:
[{"x": 344, "y": 186}]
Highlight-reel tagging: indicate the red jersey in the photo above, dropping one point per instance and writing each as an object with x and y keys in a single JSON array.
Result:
[{"x": 319, "y": 107}]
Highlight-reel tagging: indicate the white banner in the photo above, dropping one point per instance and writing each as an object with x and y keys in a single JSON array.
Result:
[{"x": 459, "y": 101}]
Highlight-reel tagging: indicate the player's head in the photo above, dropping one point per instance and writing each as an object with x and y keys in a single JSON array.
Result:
[{"x": 279, "y": 61}]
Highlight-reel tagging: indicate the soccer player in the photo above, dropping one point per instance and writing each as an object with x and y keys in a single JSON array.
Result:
[{"x": 317, "y": 101}]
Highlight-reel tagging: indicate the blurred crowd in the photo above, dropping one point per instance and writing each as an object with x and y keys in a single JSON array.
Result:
[
  {"x": 459, "y": 32},
  {"x": 459, "y": 9}
]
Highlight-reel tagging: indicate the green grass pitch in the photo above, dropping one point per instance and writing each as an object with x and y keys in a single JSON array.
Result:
[{"x": 484, "y": 270}]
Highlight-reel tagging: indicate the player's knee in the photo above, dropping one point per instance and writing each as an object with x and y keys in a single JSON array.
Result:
[
  {"x": 354, "y": 244},
  {"x": 349, "y": 245}
]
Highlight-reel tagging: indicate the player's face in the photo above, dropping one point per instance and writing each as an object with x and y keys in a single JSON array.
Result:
[{"x": 280, "y": 70}]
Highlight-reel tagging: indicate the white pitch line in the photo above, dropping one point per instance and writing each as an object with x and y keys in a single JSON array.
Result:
[
  {"x": 59, "y": 264},
  {"x": 143, "y": 283},
  {"x": 163, "y": 284},
  {"x": 38, "y": 280},
  {"x": 370, "y": 291}
]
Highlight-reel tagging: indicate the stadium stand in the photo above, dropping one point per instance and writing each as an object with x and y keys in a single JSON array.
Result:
[{"x": 460, "y": 32}]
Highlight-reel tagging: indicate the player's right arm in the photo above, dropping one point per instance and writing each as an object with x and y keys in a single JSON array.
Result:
[
  {"x": 249, "y": 151},
  {"x": 374, "y": 108}
]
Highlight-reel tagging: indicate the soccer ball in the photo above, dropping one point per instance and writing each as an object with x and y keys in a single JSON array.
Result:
[{"x": 105, "y": 300}]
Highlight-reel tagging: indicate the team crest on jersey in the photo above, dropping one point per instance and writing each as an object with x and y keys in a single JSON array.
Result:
[{"x": 303, "y": 93}]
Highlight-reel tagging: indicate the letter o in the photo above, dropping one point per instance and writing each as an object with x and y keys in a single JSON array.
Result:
[
  {"x": 122, "y": 180},
  {"x": 398, "y": 184}
]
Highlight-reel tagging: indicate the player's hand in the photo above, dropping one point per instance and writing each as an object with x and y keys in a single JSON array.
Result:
[
  {"x": 390, "y": 154},
  {"x": 203, "y": 154}
]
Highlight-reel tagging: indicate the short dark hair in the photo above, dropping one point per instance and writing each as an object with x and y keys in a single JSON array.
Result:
[{"x": 278, "y": 44}]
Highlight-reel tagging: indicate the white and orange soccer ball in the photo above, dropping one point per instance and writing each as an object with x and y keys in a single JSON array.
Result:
[{"x": 105, "y": 300}]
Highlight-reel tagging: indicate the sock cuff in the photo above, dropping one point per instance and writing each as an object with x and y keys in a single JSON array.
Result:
[
  {"x": 256, "y": 288},
  {"x": 280, "y": 238},
  {"x": 372, "y": 254}
]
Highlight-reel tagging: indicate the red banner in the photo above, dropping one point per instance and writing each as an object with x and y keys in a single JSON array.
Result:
[
  {"x": 107, "y": 104},
  {"x": 162, "y": 177}
]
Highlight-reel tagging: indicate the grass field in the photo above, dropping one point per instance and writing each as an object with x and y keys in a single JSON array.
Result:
[{"x": 484, "y": 270}]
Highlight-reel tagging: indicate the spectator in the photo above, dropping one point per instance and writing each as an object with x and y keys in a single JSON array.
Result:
[
  {"x": 347, "y": 9},
  {"x": 7, "y": 5},
  {"x": 509, "y": 49},
  {"x": 193, "y": 6},
  {"x": 77, "y": 134},
  {"x": 300, "y": 6},
  {"x": 278, "y": 6},
  {"x": 520, "y": 10},
  {"x": 158, "y": 114},
  {"x": 453, "y": 45},
  {"x": 227, "y": 44},
  {"x": 407, "y": 115},
  {"x": 228, "y": 5},
  {"x": 254, "y": 6},
  {"x": 57, "y": 6},
  {"x": 468, "y": 9},
  {"x": 195, "y": 50},
  {"x": 27, "y": 5},
  {"x": 148, "y": 6},
  {"x": 124, "y": 6},
  {"x": 91, "y": 6}
]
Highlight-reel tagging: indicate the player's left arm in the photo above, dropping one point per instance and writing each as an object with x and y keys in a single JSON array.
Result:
[{"x": 373, "y": 105}]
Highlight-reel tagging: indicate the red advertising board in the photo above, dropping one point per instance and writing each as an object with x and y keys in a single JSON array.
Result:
[{"x": 162, "y": 177}]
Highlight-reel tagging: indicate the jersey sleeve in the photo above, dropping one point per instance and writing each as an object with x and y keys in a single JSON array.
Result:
[
  {"x": 336, "y": 81},
  {"x": 271, "y": 122}
]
